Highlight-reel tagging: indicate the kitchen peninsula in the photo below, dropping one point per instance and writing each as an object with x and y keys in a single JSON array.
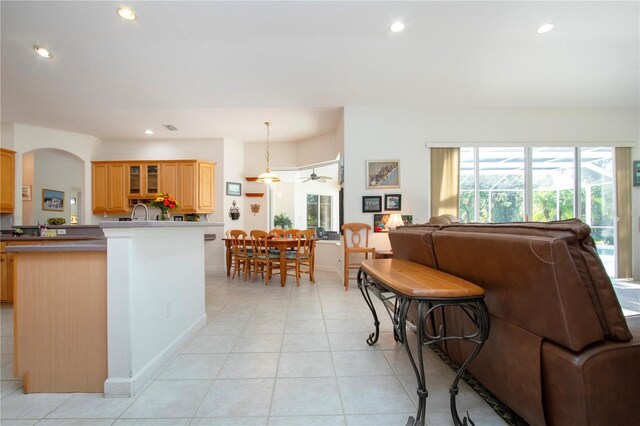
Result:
[{"x": 142, "y": 302}]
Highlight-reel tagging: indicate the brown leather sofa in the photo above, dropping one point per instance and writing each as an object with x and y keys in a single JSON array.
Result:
[{"x": 560, "y": 351}]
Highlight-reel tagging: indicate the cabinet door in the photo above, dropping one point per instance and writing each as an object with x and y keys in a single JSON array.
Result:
[
  {"x": 169, "y": 180},
  {"x": 117, "y": 187},
  {"x": 99, "y": 185},
  {"x": 134, "y": 179},
  {"x": 7, "y": 181},
  {"x": 151, "y": 179},
  {"x": 6, "y": 275},
  {"x": 206, "y": 176},
  {"x": 188, "y": 189}
]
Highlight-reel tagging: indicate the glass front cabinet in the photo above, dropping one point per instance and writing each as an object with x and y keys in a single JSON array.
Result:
[{"x": 142, "y": 182}]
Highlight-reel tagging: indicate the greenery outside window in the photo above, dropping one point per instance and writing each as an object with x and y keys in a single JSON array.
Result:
[{"x": 319, "y": 211}]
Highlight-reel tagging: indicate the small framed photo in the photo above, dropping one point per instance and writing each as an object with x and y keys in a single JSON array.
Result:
[
  {"x": 371, "y": 204},
  {"x": 178, "y": 218},
  {"x": 26, "y": 193},
  {"x": 234, "y": 189},
  {"x": 392, "y": 202},
  {"x": 636, "y": 173},
  {"x": 383, "y": 174},
  {"x": 52, "y": 200}
]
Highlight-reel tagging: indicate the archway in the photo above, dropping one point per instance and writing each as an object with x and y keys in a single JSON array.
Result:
[{"x": 52, "y": 186}]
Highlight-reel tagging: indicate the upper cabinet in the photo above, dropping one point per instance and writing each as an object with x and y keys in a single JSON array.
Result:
[
  {"x": 108, "y": 187},
  {"x": 7, "y": 180},
  {"x": 143, "y": 180},
  {"x": 191, "y": 182}
]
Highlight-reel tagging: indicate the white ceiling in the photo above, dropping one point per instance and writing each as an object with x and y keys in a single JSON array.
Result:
[{"x": 220, "y": 69}]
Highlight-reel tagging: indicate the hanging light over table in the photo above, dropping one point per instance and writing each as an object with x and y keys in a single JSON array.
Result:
[{"x": 267, "y": 177}]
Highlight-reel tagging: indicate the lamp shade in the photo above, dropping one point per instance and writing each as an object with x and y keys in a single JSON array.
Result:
[
  {"x": 268, "y": 177},
  {"x": 394, "y": 221}
]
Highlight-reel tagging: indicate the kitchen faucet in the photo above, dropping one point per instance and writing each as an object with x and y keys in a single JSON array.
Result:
[{"x": 146, "y": 211}]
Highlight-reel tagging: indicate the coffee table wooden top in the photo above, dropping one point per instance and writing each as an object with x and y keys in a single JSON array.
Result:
[{"x": 412, "y": 279}]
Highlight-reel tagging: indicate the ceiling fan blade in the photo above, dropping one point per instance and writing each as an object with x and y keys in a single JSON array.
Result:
[
  {"x": 306, "y": 180},
  {"x": 325, "y": 177}
]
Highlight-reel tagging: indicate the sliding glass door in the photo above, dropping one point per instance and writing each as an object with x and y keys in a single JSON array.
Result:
[{"x": 511, "y": 184}]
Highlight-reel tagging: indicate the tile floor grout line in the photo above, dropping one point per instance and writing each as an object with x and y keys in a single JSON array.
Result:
[{"x": 221, "y": 367}]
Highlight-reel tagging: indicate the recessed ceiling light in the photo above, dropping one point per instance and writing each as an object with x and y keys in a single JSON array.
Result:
[
  {"x": 396, "y": 27},
  {"x": 545, "y": 28},
  {"x": 126, "y": 13},
  {"x": 148, "y": 132},
  {"x": 44, "y": 52}
]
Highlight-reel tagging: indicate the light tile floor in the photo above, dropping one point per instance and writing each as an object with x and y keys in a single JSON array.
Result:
[{"x": 268, "y": 355}]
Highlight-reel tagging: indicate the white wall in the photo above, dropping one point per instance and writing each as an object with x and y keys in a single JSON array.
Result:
[
  {"x": 401, "y": 133},
  {"x": 318, "y": 149}
]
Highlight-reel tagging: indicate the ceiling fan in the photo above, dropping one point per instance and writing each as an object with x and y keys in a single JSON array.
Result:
[{"x": 314, "y": 176}]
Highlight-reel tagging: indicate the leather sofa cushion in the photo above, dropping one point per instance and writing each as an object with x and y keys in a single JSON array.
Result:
[
  {"x": 414, "y": 244},
  {"x": 529, "y": 281},
  {"x": 597, "y": 386},
  {"x": 583, "y": 251}
]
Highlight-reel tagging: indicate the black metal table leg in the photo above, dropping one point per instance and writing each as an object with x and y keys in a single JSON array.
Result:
[
  {"x": 363, "y": 285},
  {"x": 476, "y": 310}
]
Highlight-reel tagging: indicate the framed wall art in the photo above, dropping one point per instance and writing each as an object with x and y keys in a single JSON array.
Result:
[
  {"x": 26, "y": 193},
  {"x": 371, "y": 204},
  {"x": 234, "y": 189},
  {"x": 52, "y": 200},
  {"x": 383, "y": 174},
  {"x": 636, "y": 173},
  {"x": 392, "y": 202}
]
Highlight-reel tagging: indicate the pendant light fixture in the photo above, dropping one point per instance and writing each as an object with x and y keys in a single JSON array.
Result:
[{"x": 267, "y": 177}]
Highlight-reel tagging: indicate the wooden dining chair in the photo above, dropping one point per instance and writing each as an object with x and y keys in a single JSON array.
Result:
[
  {"x": 263, "y": 259},
  {"x": 241, "y": 255},
  {"x": 277, "y": 233},
  {"x": 300, "y": 256},
  {"x": 356, "y": 242}
]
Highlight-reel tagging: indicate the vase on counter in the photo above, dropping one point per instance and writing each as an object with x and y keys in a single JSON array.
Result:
[{"x": 164, "y": 215}]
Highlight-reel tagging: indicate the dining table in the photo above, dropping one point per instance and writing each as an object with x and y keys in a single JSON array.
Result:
[{"x": 282, "y": 244}]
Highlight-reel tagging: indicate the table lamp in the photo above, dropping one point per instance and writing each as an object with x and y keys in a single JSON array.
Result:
[{"x": 394, "y": 221}]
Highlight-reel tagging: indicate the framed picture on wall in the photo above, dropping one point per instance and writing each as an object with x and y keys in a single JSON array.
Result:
[
  {"x": 392, "y": 202},
  {"x": 234, "y": 189},
  {"x": 52, "y": 200},
  {"x": 26, "y": 193},
  {"x": 383, "y": 174},
  {"x": 371, "y": 204},
  {"x": 636, "y": 173}
]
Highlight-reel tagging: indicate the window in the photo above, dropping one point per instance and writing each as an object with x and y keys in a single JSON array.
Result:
[
  {"x": 553, "y": 180},
  {"x": 319, "y": 211},
  {"x": 303, "y": 201},
  {"x": 539, "y": 184}
]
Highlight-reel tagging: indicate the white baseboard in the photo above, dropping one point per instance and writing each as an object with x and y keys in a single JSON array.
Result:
[{"x": 125, "y": 388}]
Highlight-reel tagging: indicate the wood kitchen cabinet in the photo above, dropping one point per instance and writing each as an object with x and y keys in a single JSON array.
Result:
[
  {"x": 108, "y": 187},
  {"x": 182, "y": 179},
  {"x": 191, "y": 182},
  {"x": 143, "y": 180},
  {"x": 6, "y": 275},
  {"x": 7, "y": 180}
]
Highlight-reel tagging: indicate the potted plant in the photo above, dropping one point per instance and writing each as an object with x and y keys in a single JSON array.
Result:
[
  {"x": 282, "y": 221},
  {"x": 234, "y": 211}
]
